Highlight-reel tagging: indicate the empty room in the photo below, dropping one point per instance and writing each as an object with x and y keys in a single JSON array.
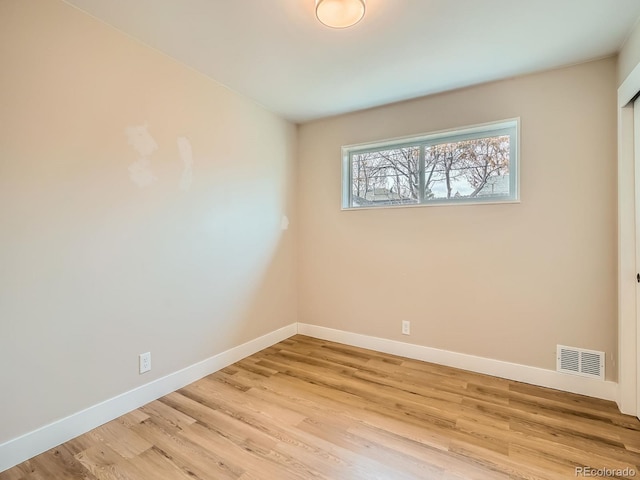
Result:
[{"x": 319, "y": 239}]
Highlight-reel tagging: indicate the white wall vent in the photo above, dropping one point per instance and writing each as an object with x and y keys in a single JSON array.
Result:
[{"x": 578, "y": 361}]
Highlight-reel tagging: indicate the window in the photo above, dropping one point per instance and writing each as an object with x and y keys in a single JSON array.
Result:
[{"x": 470, "y": 165}]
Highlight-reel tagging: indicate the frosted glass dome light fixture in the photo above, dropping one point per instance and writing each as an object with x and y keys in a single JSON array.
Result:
[{"x": 340, "y": 13}]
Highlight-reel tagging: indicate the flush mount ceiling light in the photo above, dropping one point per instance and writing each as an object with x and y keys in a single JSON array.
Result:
[{"x": 340, "y": 13}]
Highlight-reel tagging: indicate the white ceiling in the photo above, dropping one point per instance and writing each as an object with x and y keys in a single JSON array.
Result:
[{"x": 277, "y": 53}]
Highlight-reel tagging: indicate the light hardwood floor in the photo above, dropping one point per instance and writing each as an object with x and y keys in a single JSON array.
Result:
[{"x": 311, "y": 409}]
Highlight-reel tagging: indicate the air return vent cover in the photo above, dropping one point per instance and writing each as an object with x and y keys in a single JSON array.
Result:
[{"x": 578, "y": 361}]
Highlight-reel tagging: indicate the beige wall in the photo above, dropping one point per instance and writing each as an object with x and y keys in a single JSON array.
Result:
[
  {"x": 629, "y": 55},
  {"x": 94, "y": 268},
  {"x": 507, "y": 281}
]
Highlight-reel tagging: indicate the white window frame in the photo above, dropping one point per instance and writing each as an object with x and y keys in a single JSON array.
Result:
[{"x": 509, "y": 127}]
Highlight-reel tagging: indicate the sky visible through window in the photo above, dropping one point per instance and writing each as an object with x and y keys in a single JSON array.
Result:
[{"x": 473, "y": 168}]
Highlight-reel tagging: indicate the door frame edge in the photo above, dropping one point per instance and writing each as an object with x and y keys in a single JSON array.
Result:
[{"x": 627, "y": 267}]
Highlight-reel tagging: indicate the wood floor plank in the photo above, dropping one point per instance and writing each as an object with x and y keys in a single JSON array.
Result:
[
  {"x": 312, "y": 409},
  {"x": 103, "y": 463},
  {"x": 190, "y": 457},
  {"x": 121, "y": 439}
]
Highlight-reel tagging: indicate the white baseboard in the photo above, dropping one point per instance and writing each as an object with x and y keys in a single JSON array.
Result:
[
  {"x": 33, "y": 443},
  {"x": 512, "y": 371}
]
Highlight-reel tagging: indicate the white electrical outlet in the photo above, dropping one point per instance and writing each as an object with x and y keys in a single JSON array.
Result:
[
  {"x": 406, "y": 327},
  {"x": 145, "y": 362}
]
